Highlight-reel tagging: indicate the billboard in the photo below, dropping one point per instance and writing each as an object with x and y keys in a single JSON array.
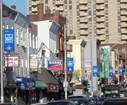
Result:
[{"x": 55, "y": 65}]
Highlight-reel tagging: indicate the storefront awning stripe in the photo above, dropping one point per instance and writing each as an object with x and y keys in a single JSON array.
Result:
[{"x": 41, "y": 85}]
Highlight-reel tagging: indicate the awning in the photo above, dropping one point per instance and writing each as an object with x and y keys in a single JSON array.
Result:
[
  {"x": 47, "y": 77},
  {"x": 40, "y": 85},
  {"x": 25, "y": 83}
]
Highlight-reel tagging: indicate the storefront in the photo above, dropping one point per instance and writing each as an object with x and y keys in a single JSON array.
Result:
[
  {"x": 41, "y": 89},
  {"x": 26, "y": 90}
]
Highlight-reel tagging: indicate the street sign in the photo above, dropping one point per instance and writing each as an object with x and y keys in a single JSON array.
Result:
[
  {"x": 110, "y": 71},
  {"x": 95, "y": 70},
  {"x": 8, "y": 36},
  {"x": 70, "y": 64}
]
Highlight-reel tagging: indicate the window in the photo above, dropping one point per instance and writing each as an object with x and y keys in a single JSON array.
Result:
[{"x": 46, "y": 1}]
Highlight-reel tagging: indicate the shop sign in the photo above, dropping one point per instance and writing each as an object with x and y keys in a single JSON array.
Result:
[
  {"x": 55, "y": 65},
  {"x": 53, "y": 87},
  {"x": 12, "y": 61}
]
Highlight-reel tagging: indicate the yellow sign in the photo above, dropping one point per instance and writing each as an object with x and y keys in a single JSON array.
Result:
[{"x": 77, "y": 72}]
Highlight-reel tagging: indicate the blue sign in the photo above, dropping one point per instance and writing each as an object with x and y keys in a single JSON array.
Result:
[
  {"x": 110, "y": 71},
  {"x": 95, "y": 70},
  {"x": 120, "y": 71},
  {"x": 8, "y": 39},
  {"x": 70, "y": 64}
]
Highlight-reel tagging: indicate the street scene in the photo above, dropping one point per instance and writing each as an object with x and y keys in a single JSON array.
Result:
[{"x": 63, "y": 52}]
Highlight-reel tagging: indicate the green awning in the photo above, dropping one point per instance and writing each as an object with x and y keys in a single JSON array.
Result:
[{"x": 41, "y": 85}]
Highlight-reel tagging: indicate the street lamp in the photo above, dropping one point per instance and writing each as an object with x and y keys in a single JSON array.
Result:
[{"x": 65, "y": 56}]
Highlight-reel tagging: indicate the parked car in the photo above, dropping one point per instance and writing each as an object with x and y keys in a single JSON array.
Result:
[
  {"x": 38, "y": 104},
  {"x": 80, "y": 101},
  {"x": 61, "y": 102},
  {"x": 115, "y": 101},
  {"x": 7, "y": 103},
  {"x": 92, "y": 101},
  {"x": 76, "y": 96}
]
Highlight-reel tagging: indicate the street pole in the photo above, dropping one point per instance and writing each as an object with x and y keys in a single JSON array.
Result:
[
  {"x": 65, "y": 56},
  {"x": 118, "y": 63},
  {"x": 1, "y": 51}
]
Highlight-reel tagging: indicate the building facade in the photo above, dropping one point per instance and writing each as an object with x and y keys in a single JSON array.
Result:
[
  {"x": 105, "y": 19},
  {"x": 23, "y": 29}
]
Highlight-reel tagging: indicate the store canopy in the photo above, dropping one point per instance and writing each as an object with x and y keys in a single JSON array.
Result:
[
  {"x": 25, "y": 83},
  {"x": 40, "y": 85}
]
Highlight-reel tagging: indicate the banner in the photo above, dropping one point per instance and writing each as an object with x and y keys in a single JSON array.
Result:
[
  {"x": 55, "y": 65},
  {"x": 8, "y": 37},
  {"x": 95, "y": 70},
  {"x": 70, "y": 64},
  {"x": 110, "y": 71}
]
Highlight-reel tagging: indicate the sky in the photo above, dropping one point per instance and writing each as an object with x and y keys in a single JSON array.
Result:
[{"x": 20, "y": 5}]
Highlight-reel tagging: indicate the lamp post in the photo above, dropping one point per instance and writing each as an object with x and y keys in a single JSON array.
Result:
[
  {"x": 65, "y": 56},
  {"x": 1, "y": 51}
]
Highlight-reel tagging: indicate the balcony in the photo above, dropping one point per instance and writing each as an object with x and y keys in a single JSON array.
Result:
[
  {"x": 84, "y": 32},
  {"x": 123, "y": 18},
  {"x": 101, "y": 19},
  {"x": 60, "y": 8},
  {"x": 123, "y": 24},
  {"x": 100, "y": 6},
  {"x": 124, "y": 37},
  {"x": 101, "y": 32},
  {"x": 100, "y": 1},
  {"x": 102, "y": 25},
  {"x": 102, "y": 37},
  {"x": 83, "y": 7},
  {"x": 123, "y": 1},
  {"x": 83, "y": 20},
  {"x": 83, "y": 1},
  {"x": 34, "y": 9},
  {"x": 34, "y": 3},
  {"x": 83, "y": 13},
  {"x": 59, "y": 2},
  {"x": 101, "y": 13},
  {"x": 124, "y": 30},
  {"x": 123, "y": 12},
  {"x": 123, "y": 6},
  {"x": 83, "y": 25}
]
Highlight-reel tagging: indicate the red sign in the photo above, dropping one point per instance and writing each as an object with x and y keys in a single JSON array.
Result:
[
  {"x": 55, "y": 65},
  {"x": 53, "y": 87},
  {"x": 12, "y": 61}
]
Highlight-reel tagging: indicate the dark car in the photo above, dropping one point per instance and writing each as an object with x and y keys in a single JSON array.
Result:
[
  {"x": 115, "y": 101},
  {"x": 7, "y": 103},
  {"x": 61, "y": 102},
  {"x": 76, "y": 96},
  {"x": 38, "y": 104},
  {"x": 80, "y": 101}
]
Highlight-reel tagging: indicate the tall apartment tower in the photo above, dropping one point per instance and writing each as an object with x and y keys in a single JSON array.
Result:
[{"x": 89, "y": 19}]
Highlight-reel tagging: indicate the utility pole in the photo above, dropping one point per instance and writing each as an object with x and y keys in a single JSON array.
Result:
[
  {"x": 1, "y": 51},
  {"x": 65, "y": 56}
]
